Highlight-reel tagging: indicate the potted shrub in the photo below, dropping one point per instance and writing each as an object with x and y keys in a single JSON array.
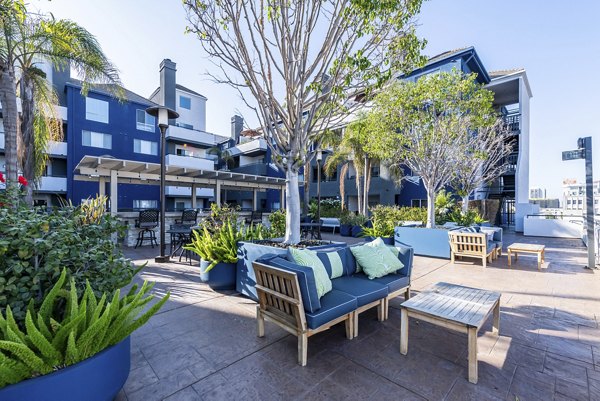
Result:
[
  {"x": 346, "y": 222},
  {"x": 64, "y": 324},
  {"x": 358, "y": 221},
  {"x": 218, "y": 253}
]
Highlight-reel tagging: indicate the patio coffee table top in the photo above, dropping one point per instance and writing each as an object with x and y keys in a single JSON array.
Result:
[
  {"x": 463, "y": 305},
  {"x": 518, "y": 246}
]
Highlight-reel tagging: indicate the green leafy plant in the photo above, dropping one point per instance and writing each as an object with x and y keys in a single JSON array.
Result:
[
  {"x": 277, "y": 221},
  {"x": 220, "y": 215},
  {"x": 359, "y": 220},
  {"x": 467, "y": 218},
  {"x": 255, "y": 232},
  {"x": 329, "y": 208},
  {"x": 346, "y": 218},
  {"x": 35, "y": 247},
  {"x": 413, "y": 214},
  {"x": 55, "y": 336},
  {"x": 444, "y": 205},
  {"x": 217, "y": 247}
]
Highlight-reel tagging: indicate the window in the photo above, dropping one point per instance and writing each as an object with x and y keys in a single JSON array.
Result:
[
  {"x": 184, "y": 125},
  {"x": 419, "y": 203},
  {"x": 324, "y": 177},
  {"x": 96, "y": 139},
  {"x": 145, "y": 204},
  {"x": 185, "y": 102},
  {"x": 145, "y": 147},
  {"x": 375, "y": 170},
  {"x": 145, "y": 121},
  {"x": 96, "y": 110}
]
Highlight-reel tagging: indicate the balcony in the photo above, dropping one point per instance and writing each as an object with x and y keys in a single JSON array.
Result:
[
  {"x": 53, "y": 184},
  {"x": 513, "y": 122},
  {"x": 191, "y": 136},
  {"x": 2, "y": 141},
  {"x": 57, "y": 149},
  {"x": 187, "y": 192},
  {"x": 250, "y": 148},
  {"x": 190, "y": 162}
]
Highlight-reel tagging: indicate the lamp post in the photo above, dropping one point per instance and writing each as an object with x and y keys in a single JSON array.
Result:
[
  {"x": 319, "y": 160},
  {"x": 163, "y": 115}
]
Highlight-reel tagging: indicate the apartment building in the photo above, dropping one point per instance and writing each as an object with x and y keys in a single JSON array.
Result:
[
  {"x": 574, "y": 197},
  {"x": 512, "y": 94},
  {"x": 99, "y": 124}
]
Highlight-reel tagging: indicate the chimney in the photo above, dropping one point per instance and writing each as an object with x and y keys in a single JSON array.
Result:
[
  {"x": 167, "y": 84},
  {"x": 237, "y": 126}
]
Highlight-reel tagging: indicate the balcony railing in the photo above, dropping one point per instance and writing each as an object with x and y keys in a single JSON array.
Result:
[
  {"x": 190, "y": 162},
  {"x": 513, "y": 122},
  {"x": 53, "y": 184}
]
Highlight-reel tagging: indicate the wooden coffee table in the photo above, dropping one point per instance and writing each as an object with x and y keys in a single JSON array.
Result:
[
  {"x": 454, "y": 307},
  {"x": 518, "y": 247}
]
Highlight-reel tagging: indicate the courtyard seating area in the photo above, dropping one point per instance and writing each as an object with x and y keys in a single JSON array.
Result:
[{"x": 203, "y": 345}]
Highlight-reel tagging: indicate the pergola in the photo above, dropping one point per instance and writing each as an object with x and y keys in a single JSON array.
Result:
[{"x": 119, "y": 171}]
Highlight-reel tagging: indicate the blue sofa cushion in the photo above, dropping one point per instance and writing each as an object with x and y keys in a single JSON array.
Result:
[
  {"x": 334, "y": 261},
  {"x": 306, "y": 280},
  {"x": 472, "y": 229},
  {"x": 350, "y": 266},
  {"x": 394, "y": 282},
  {"x": 364, "y": 291},
  {"x": 333, "y": 305}
]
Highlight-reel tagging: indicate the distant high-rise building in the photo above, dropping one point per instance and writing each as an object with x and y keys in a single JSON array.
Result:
[{"x": 537, "y": 193}]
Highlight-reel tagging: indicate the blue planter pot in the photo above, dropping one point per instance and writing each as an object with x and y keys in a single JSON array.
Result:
[
  {"x": 356, "y": 231},
  {"x": 98, "y": 378},
  {"x": 222, "y": 276},
  {"x": 386, "y": 240},
  {"x": 345, "y": 230}
]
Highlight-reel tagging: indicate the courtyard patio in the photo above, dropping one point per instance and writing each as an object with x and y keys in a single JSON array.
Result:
[{"x": 203, "y": 346}]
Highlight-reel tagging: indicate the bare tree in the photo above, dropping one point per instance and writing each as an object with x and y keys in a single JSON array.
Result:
[
  {"x": 301, "y": 65},
  {"x": 484, "y": 160}
]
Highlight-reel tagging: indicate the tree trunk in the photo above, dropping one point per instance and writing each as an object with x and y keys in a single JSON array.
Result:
[
  {"x": 292, "y": 210},
  {"x": 343, "y": 172},
  {"x": 307, "y": 171},
  {"x": 367, "y": 186},
  {"x": 430, "y": 208},
  {"x": 359, "y": 193},
  {"x": 465, "y": 204},
  {"x": 8, "y": 100},
  {"x": 28, "y": 138}
]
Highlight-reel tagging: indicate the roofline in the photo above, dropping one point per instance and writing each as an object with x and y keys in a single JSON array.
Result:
[
  {"x": 100, "y": 92},
  {"x": 443, "y": 60},
  {"x": 155, "y": 92},
  {"x": 191, "y": 92},
  {"x": 509, "y": 77}
]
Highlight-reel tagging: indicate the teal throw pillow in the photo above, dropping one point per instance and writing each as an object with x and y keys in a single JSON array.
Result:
[
  {"x": 376, "y": 260},
  {"x": 308, "y": 258}
]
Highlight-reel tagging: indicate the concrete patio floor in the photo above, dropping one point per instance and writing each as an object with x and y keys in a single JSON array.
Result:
[{"x": 203, "y": 344}]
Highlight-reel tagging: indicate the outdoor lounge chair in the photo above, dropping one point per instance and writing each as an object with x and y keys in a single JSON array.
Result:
[{"x": 469, "y": 242}]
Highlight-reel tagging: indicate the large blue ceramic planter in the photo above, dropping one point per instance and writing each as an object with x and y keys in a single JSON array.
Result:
[
  {"x": 425, "y": 241},
  {"x": 222, "y": 276},
  {"x": 98, "y": 378}
]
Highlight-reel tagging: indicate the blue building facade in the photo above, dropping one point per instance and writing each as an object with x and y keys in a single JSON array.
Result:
[{"x": 101, "y": 125}]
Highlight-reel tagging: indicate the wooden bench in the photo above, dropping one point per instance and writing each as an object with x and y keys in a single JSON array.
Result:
[
  {"x": 280, "y": 301},
  {"x": 472, "y": 245}
]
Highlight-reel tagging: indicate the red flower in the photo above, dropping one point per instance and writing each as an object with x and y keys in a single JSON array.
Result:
[
  {"x": 22, "y": 181},
  {"x": 2, "y": 179}
]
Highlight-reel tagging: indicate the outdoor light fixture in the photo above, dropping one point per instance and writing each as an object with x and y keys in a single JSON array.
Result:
[
  {"x": 163, "y": 115},
  {"x": 319, "y": 160}
]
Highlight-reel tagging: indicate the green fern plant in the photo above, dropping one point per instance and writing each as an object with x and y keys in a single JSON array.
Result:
[
  {"x": 217, "y": 247},
  {"x": 55, "y": 337}
]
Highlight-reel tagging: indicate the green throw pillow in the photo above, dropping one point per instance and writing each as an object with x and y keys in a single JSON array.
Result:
[
  {"x": 308, "y": 258},
  {"x": 376, "y": 260},
  {"x": 376, "y": 242}
]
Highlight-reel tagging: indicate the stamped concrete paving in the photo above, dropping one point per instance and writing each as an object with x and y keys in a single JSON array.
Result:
[{"x": 203, "y": 345}]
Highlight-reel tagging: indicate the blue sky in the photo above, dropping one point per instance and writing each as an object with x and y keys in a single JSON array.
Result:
[{"x": 557, "y": 42}]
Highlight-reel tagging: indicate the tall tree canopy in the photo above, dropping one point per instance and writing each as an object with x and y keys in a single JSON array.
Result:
[
  {"x": 303, "y": 66},
  {"x": 427, "y": 126}
]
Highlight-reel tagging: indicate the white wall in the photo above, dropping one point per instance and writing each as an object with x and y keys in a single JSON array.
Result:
[
  {"x": 522, "y": 172},
  {"x": 540, "y": 227},
  {"x": 196, "y": 116}
]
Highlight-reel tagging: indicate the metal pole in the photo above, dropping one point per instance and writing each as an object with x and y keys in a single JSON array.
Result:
[
  {"x": 319, "y": 197},
  {"x": 162, "y": 257},
  {"x": 589, "y": 202}
]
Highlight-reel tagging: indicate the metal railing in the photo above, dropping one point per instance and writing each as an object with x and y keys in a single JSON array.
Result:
[{"x": 513, "y": 121}]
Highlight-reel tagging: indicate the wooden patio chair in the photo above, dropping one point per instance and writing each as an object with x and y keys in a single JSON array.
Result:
[{"x": 472, "y": 245}]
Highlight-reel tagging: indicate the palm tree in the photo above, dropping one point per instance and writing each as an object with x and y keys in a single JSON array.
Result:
[
  {"x": 223, "y": 155},
  {"x": 34, "y": 39}
]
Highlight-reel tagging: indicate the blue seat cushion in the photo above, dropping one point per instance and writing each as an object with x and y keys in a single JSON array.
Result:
[
  {"x": 394, "y": 282},
  {"x": 364, "y": 291},
  {"x": 333, "y": 305},
  {"x": 306, "y": 280}
]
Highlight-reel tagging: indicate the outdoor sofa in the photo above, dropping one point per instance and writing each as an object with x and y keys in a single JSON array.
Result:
[
  {"x": 484, "y": 243},
  {"x": 288, "y": 297}
]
